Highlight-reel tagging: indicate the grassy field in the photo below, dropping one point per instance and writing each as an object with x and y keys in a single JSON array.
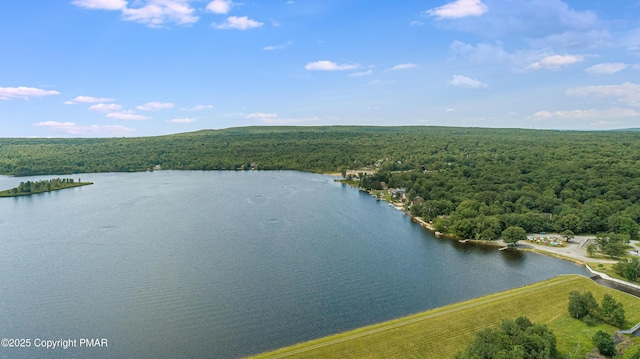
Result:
[{"x": 442, "y": 332}]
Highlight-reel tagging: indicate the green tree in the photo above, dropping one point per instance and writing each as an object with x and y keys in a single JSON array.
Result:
[
  {"x": 582, "y": 305},
  {"x": 612, "y": 244},
  {"x": 619, "y": 223},
  {"x": 629, "y": 269},
  {"x": 513, "y": 234},
  {"x": 604, "y": 342},
  {"x": 512, "y": 340},
  {"x": 612, "y": 311},
  {"x": 567, "y": 234},
  {"x": 569, "y": 222},
  {"x": 464, "y": 228}
]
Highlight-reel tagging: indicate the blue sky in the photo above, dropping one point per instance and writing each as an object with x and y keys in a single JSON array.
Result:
[{"x": 112, "y": 68}]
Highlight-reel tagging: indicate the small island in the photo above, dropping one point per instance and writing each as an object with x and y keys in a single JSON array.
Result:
[{"x": 29, "y": 188}]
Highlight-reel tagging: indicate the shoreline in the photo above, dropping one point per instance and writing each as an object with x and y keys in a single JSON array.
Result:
[
  {"x": 572, "y": 251},
  {"x": 392, "y": 338}
]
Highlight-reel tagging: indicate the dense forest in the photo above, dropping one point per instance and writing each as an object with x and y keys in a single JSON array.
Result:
[{"x": 471, "y": 182}]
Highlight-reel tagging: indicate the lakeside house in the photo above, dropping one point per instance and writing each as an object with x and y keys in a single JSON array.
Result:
[
  {"x": 398, "y": 193},
  {"x": 356, "y": 174}
]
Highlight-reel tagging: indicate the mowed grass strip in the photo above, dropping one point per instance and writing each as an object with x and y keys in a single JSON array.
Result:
[{"x": 442, "y": 332}]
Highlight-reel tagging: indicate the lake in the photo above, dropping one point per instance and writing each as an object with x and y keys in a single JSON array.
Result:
[{"x": 194, "y": 264}]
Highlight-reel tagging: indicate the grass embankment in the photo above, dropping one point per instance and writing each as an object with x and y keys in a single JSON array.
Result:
[
  {"x": 14, "y": 193},
  {"x": 442, "y": 332}
]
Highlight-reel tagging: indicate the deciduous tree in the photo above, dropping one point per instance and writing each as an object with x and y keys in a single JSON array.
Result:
[{"x": 513, "y": 234}]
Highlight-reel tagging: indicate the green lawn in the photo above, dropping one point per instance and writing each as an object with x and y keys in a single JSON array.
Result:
[{"x": 442, "y": 332}]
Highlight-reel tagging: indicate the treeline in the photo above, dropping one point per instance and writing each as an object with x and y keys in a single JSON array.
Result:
[
  {"x": 313, "y": 149},
  {"x": 571, "y": 182},
  {"x": 44, "y": 185},
  {"x": 32, "y": 187},
  {"x": 473, "y": 183}
]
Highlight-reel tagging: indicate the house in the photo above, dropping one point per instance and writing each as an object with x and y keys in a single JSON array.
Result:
[{"x": 398, "y": 193}]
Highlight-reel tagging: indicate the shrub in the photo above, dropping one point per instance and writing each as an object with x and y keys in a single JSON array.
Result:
[
  {"x": 582, "y": 304},
  {"x": 513, "y": 339},
  {"x": 604, "y": 343}
]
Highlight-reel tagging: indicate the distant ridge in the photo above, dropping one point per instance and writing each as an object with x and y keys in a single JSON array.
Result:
[{"x": 627, "y": 129}]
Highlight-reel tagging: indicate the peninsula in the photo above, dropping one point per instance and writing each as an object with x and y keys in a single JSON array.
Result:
[{"x": 28, "y": 188}]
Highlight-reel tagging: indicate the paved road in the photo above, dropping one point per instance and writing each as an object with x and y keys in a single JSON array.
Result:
[{"x": 572, "y": 249}]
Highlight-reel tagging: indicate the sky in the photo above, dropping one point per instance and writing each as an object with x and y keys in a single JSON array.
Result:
[{"x": 130, "y": 68}]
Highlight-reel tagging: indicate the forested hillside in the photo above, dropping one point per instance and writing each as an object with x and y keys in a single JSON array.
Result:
[{"x": 473, "y": 182}]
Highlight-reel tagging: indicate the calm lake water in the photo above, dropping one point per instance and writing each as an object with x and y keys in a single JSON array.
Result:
[{"x": 191, "y": 264}]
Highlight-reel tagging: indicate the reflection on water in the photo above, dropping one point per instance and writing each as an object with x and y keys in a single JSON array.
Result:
[{"x": 514, "y": 257}]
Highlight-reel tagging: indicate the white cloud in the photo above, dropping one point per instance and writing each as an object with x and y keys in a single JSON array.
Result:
[
  {"x": 606, "y": 68},
  {"x": 403, "y": 67},
  {"x": 554, "y": 62},
  {"x": 459, "y": 9},
  {"x": 72, "y": 128},
  {"x": 239, "y": 23},
  {"x": 329, "y": 66},
  {"x": 618, "y": 113},
  {"x": 153, "y": 106},
  {"x": 127, "y": 116},
  {"x": 494, "y": 53},
  {"x": 416, "y": 23},
  {"x": 154, "y": 13},
  {"x": 219, "y": 6},
  {"x": 466, "y": 82},
  {"x": 361, "y": 73},
  {"x": 88, "y": 99},
  {"x": 158, "y": 12},
  {"x": 527, "y": 19},
  {"x": 10, "y": 93},
  {"x": 198, "y": 108},
  {"x": 182, "y": 120},
  {"x": 278, "y": 47},
  {"x": 627, "y": 92},
  {"x": 105, "y": 107},
  {"x": 261, "y": 115},
  {"x": 101, "y": 4}
]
